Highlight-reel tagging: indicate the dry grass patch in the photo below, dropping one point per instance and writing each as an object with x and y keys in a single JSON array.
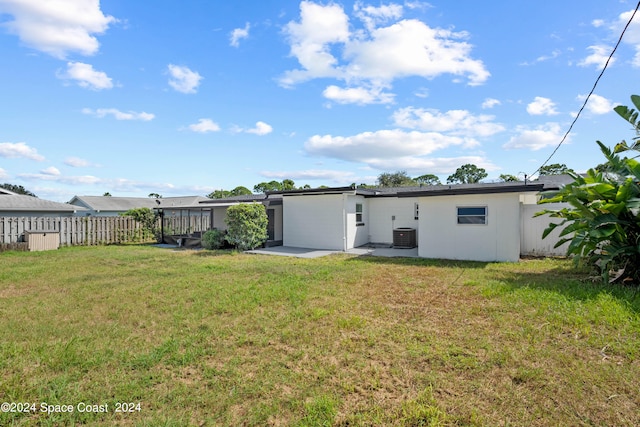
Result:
[{"x": 220, "y": 338}]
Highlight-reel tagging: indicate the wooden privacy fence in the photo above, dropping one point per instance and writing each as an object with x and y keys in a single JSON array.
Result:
[{"x": 76, "y": 231}]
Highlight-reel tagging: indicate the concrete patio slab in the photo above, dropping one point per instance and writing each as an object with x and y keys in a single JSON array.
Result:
[
  {"x": 316, "y": 253},
  {"x": 293, "y": 252}
]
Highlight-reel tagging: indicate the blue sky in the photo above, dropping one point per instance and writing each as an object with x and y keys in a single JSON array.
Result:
[{"x": 181, "y": 98}]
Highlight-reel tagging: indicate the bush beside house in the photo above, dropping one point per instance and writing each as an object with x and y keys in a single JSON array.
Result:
[{"x": 247, "y": 225}]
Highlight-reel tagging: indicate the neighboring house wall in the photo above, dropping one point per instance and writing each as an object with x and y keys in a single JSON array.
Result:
[
  {"x": 381, "y": 212},
  {"x": 442, "y": 237},
  {"x": 315, "y": 222},
  {"x": 532, "y": 242}
]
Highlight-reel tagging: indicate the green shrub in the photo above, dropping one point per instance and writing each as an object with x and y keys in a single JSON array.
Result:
[
  {"x": 213, "y": 239},
  {"x": 247, "y": 225}
]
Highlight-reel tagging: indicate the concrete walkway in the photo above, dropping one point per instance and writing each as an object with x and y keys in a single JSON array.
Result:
[{"x": 316, "y": 253}]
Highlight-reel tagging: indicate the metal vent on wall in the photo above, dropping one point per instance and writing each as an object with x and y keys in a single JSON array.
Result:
[{"x": 404, "y": 237}]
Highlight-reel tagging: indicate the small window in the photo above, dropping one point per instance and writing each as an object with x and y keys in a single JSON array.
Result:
[
  {"x": 472, "y": 215},
  {"x": 416, "y": 211},
  {"x": 359, "y": 213}
]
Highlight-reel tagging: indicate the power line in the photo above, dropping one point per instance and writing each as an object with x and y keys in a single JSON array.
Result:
[{"x": 592, "y": 90}]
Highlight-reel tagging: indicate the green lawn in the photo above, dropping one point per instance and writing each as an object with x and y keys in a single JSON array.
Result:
[{"x": 219, "y": 338}]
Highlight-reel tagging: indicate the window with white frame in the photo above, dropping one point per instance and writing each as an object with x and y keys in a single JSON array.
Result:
[
  {"x": 359, "y": 213},
  {"x": 472, "y": 215}
]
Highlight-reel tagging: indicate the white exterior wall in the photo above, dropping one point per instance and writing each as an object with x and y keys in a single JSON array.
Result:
[
  {"x": 532, "y": 228},
  {"x": 442, "y": 237},
  {"x": 382, "y": 209},
  {"x": 219, "y": 217},
  {"x": 315, "y": 221}
]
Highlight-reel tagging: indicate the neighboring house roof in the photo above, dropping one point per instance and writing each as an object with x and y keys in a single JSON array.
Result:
[
  {"x": 123, "y": 204},
  {"x": 5, "y": 191},
  {"x": 11, "y": 202}
]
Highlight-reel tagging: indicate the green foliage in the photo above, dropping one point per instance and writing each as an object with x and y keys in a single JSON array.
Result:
[
  {"x": 213, "y": 239},
  {"x": 263, "y": 187},
  {"x": 508, "y": 178},
  {"x": 467, "y": 174},
  {"x": 19, "y": 189},
  {"x": 555, "y": 169},
  {"x": 147, "y": 218},
  {"x": 222, "y": 194},
  {"x": 428, "y": 179},
  {"x": 602, "y": 224},
  {"x": 106, "y": 194},
  {"x": 396, "y": 179},
  {"x": 155, "y": 196},
  {"x": 247, "y": 225}
]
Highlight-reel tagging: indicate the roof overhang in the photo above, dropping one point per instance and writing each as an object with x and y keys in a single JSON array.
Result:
[{"x": 453, "y": 191}]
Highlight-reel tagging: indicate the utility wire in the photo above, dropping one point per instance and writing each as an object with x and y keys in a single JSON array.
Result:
[{"x": 592, "y": 90}]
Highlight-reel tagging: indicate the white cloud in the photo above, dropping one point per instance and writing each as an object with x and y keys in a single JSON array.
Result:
[
  {"x": 490, "y": 103},
  {"x": 85, "y": 76},
  {"x": 51, "y": 170},
  {"x": 76, "y": 162},
  {"x": 14, "y": 150},
  {"x": 3, "y": 174},
  {"x": 373, "y": 16},
  {"x": 311, "y": 174},
  {"x": 455, "y": 122},
  {"x": 204, "y": 126},
  {"x": 119, "y": 115},
  {"x": 357, "y": 95},
  {"x": 375, "y": 56},
  {"x": 549, "y": 134},
  {"x": 367, "y": 147},
  {"x": 183, "y": 79},
  {"x": 632, "y": 35},
  {"x": 598, "y": 57},
  {"x": 435, "y": 165},
  {"x": 261, "y": 128},
  {"x": 542, "y": 106},
  {"x": 598, "y": 104},
  {"x": 71, "y": 180},
  {"x": 57, "y": 27},
  {"x": 239, "y": 34}
]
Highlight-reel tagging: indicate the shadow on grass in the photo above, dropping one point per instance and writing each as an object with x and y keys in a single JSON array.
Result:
[
  {"x": 572, "y": 283},
  {"x": 420, "y": 262}
]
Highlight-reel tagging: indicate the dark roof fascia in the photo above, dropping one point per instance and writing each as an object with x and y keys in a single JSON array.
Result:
[
  {"x": 312, "y": 191},
  {"x": 453, "y": 191}
]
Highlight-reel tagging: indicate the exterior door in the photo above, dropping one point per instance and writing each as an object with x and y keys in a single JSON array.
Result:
[{"x": 271, "y": 226}]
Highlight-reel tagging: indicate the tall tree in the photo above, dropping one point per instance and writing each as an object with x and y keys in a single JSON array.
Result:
[
  {"x": 555, "y": 169},
  {"x": 427, "y": 179},
  {"x": 240, "y": 191},
  {"x": 288, "y": 184},
  {"x": 155, "y": 196},
  {"x": 467, "y": 174},
  {"x": 19, "y": 189},
  {"x": 396, "y": 179},
  {"x": 263, "y": 187},
  {"x": 219, "y": 194},
  {"x": 505, "y": 177},
  {"x": 106, "y": 194}
]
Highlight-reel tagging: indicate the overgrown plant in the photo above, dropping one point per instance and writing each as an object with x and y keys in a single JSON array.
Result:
[
  {"x": 148, "y": 219},
  {"x": 213, "y": 239},
  {"x": 247, "y": 225},
  {"x": 602, "y": 223}
]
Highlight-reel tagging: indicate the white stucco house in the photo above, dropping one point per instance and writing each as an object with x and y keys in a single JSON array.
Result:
[{"x": 478, "y": 222}]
